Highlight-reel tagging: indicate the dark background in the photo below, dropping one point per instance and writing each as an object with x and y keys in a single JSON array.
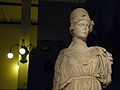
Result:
[{"x": 53, "y": 35}]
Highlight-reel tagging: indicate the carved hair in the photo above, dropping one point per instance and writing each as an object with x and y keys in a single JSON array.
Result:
[{"x": 77, "y": 15}]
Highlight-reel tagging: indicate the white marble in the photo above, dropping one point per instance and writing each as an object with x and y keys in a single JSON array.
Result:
[{"x": 80, "y": 67}]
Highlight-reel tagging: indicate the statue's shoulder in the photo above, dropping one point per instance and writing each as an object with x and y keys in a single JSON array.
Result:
[
  {"x": 103, "y": 52},
  {"x": 65, "y": 51},
  {"x": 99, "y": 48}
]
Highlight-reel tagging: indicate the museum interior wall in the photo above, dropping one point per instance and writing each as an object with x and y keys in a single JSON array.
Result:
[{"x": 11, "y": 34}]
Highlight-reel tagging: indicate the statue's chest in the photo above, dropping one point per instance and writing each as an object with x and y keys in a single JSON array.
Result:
[{"x": 86, "y": 57}]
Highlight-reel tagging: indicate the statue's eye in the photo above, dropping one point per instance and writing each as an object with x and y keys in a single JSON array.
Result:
[{"x": 80, "y": 25}]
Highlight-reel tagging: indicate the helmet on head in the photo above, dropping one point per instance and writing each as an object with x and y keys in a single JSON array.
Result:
[{"x": 80, "y": 14}]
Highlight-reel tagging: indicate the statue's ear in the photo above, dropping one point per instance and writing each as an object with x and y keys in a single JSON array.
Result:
[
  {"x": 71, "y": 29},
  {"x": 91, "y": 26},
  {"x": 91, "y": 29}
]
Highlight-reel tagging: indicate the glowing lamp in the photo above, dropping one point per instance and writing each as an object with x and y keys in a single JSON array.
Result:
[
  {"x": 10, "y": 55},
  {"x": 22, "y": 51}
]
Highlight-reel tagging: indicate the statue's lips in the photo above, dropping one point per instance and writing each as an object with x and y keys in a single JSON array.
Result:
[{"x": 84, "y": 33}]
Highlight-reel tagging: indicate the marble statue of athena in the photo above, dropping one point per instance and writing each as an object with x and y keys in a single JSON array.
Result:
[{"x": 80, "y": 67}]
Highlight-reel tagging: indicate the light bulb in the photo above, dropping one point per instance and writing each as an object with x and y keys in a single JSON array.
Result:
[
  {"x": 22, "y": 51},
  {"x": 10, "y": 55}
]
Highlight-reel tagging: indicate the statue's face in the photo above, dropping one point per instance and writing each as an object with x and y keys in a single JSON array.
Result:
[{"x": 81, "y": 29}]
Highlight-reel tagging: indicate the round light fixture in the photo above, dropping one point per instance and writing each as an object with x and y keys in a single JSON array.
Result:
[
  {"x": 10, "y": 55},
  {"x": 22, "y": 51}
]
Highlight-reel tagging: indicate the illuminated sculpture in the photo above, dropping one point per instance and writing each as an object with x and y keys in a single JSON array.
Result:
[{"x": 80, "y": 67}]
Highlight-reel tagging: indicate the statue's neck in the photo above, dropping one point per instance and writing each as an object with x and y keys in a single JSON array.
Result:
[{"x": 78, "y": 43}]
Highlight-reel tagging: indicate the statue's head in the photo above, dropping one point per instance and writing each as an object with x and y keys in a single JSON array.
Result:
[{"x": 77, "y": 15}]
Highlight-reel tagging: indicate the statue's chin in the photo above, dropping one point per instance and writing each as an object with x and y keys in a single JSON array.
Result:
[{"x": 82, "y": 38}]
